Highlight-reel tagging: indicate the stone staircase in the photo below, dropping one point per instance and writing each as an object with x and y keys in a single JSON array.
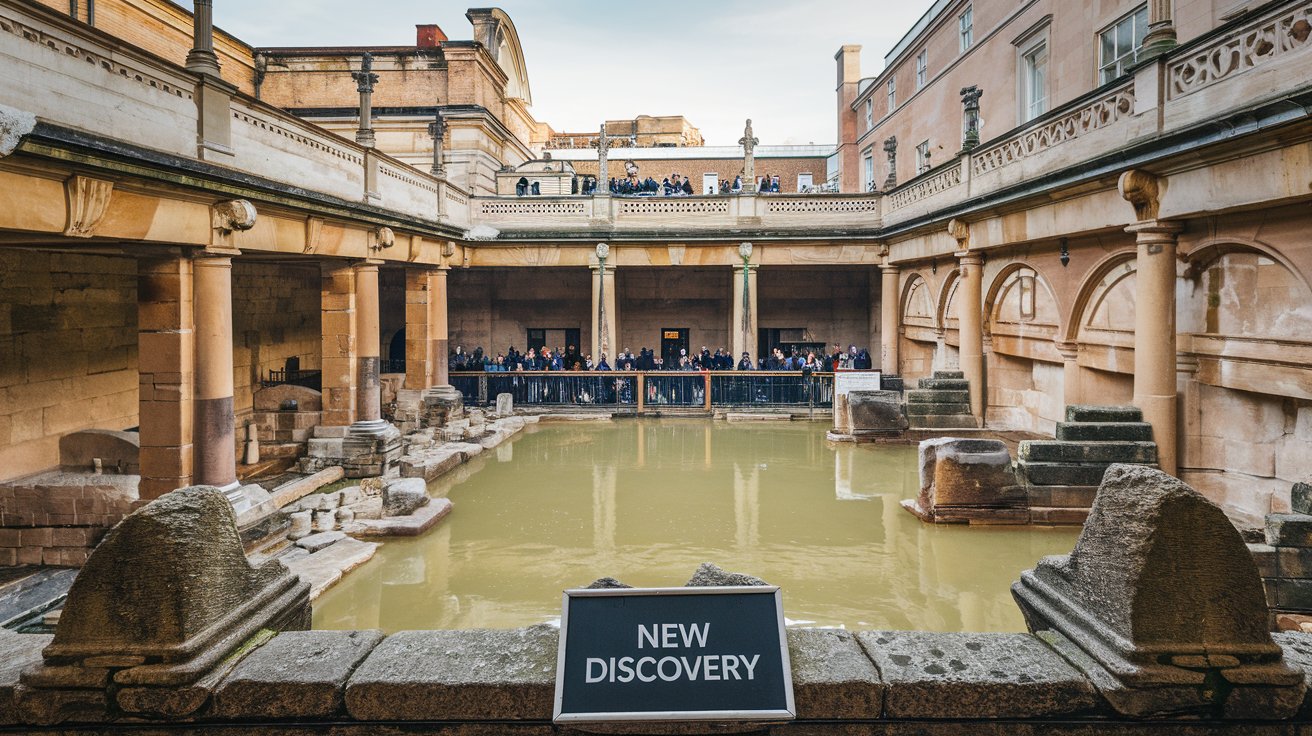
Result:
[
  {"x": 1061, "y": 476},
  {"x": 941, "y": 402}
]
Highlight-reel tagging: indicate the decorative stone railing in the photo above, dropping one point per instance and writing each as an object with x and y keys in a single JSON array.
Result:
[
  {"x": 1284, "y": 32},
  {"x": 737, "y": 213},
  {"x": 1103, "y": 112},
  {"x": 926, "y": 186},
  {"x": 75, "y": 77}
]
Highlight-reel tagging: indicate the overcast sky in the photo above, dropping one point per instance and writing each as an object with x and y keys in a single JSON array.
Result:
[{"x": 716, "y": 62}]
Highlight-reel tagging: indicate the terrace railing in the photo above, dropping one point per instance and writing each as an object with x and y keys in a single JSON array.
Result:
[{"x": 643, "y": 390}]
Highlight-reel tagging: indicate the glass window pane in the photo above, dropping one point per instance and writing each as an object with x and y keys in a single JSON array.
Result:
[
  {"x": 1108, "y": 47},
  {"x": 1124, "y": 37}
]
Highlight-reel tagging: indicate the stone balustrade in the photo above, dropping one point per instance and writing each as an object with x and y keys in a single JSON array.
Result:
[
  {"x": 80, "y": 79},
  {"x": 620, "y": 215}
]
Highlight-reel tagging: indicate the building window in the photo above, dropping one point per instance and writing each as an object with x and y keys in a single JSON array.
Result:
[
  {"x": 966, "y": 27},
  {"x": 922, "y": 69},
  {"x": 804, "y": 182},
  {"x": 892, "y": 94},
  {"x": 870, "y": 113},
  {"x": 922, "y": 157},
  {"x": 1118, "y": 45},
  {"x": 869, "y": 171},
  {"x": 1034, "y": 82}
]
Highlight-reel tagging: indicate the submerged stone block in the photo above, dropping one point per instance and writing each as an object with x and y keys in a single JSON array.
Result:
[
  {"x": 970, "y": 473},
  {"x": 403, "y": 497},
  {"x": 1159, "y": 598},
  {"x": 930, "y": 675}
]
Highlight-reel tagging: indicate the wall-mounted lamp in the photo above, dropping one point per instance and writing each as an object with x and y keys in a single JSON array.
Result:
[{"x": 1065, "y": 253}]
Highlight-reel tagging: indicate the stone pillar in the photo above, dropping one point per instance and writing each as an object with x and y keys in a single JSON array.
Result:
[
  {"x": 166, "y": 346},
  {"x": 1072, "y": 393},
  {"x": 368, "y": 389},
  {"x": 605, "y": 326},
  {"x": 972, "y": 329},
  {"x": 365, "y": 80},
  {"x": 338, "y": 343},
  {"x": 744, "y": 312},
  {"x": 215, "y": 440},
  {"x": 1154, "y": 334},
  {"x": 749, "y": 143},
  {"x": 1161, "y": 36},
  {"x": 419, "y": 363},
  {"x": 201, "y": 59},
  {"x": 603, "y": 170},
  {"x": 892, "y": 320},
  {"x": 439, "y": 330}
]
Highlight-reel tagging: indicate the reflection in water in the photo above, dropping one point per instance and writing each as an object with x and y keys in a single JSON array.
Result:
[{"x": 646, "y": 501}]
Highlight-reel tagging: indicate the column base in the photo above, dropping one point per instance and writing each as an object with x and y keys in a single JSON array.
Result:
[{"x": 441, "y": 404}]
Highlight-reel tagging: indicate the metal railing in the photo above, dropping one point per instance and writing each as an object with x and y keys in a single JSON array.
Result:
[
  {"x": 308, "y": 378},
  {"x": 655, "y": 389}
]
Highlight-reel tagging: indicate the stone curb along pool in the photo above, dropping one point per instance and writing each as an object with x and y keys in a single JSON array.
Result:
[{"x": 163, "y": 628}]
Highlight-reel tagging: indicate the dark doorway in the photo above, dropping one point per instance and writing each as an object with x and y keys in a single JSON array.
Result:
[
  {"x": 673, "y": 339},
  {"x": 554, "y": 337}
]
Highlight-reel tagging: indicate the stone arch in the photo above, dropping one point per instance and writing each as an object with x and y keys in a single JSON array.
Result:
[
  {"x": 395, "y": 351},
  {"x": 1244, "y": 289},
  {"x": 945, "y": 294},
  {"x": 494, "y": 29},
  {"x": 1044, "y": 298},
  {"x": 1092, "y": 288},
  {"x": 916, "y": 302}
]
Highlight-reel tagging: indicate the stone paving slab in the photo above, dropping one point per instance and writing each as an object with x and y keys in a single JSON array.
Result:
[
  {"x": 932, "y": 675},
  {"x": 324, "y": 568},
  {"x": 448, "y": 675},
  {"x": 832, "y": 677},
  {"x": 298, "y": 674}
]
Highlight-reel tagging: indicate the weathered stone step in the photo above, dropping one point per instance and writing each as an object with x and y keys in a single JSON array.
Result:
[
  {"x": 943, "y": 384},
  {"x": 1063, "y": 474},
  {"x": 1105, "y": 431},
  {"x": 1057, "y": 451},
  {"x": 1062, "y": 497},
  {"x": 1092, "y": 413},
  {"x": 943, "y": 408},
  {"x": 950, "y": 375},
  {"x": 942, "y": 421},
  {"x": 938, "y": 397}
]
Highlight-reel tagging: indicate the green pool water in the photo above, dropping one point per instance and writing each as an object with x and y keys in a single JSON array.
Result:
[{"x": 648, "y": 500}]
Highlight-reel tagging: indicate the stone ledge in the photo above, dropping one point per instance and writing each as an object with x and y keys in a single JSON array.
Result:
[
  {"x": 298, "y": 674},
  {"x": 930, "y": 675},
  {"x": 410, "y": 525}
]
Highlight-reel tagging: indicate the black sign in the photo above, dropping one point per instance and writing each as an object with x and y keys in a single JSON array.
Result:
[{"x": 663, "y": 654}]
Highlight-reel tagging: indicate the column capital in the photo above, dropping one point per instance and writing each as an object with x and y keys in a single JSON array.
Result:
[
  {"x": 214, "y": 256},
  {"x": 970, "y": 257},
  {"x": 1164, "y": 228},
  {"x": 367, "y": 264},
  {"x": 887, "y": 267}
]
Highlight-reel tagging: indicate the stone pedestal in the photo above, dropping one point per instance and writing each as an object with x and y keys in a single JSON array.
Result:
[
  {"x": 363, "y": 450},
  {"x": 967, "y": 481}
]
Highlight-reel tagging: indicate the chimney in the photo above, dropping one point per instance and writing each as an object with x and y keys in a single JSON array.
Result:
[{"x": 429, "y": 36}]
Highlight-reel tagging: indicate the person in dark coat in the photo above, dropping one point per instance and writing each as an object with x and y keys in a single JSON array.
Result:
[{"x": 746, "y": 363}]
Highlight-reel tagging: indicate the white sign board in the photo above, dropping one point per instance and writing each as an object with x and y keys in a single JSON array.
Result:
[{"x": 847, "y": 381}]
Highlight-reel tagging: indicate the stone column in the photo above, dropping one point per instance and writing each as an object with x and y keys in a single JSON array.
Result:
[
  {"x": 439, "y": 329},
  {"x": 603, "y": 170},
  {"x": 419, "y": 363},
  {"x": 365, "y": 80},
  {"x": 744, "y": 312},
  {"x": 972, "y": 329},
  {"x": 749, "y": 143},
  {"x": 215, "y": 440},
  {"x": 368, "y": 389},
  {"x": 1072, "y": 393},
  {"x": 166, "y": 366},
  {"x": 892, "y": 320},
  {"x": 201, "y": 59},
  {"x": 1161, "y": 36},
  {"x": 604, "y": 323},
  {"x": 1154, "y": 334},
  {"x": 338, "y": 343}
]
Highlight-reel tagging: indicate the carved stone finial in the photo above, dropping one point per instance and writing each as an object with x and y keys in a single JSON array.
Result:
[
  {"x": 88, "y": 200},
  {"x": 890, "y": 148},
  {"x": 383, "y": 238},
  {"x": 235, "y": 214},
  {"x": 365, "y": 79},
  {"x": 1140, "y": 189},
  {"x": 970, "y": 101},
  {"x": 960, "y": 232}
]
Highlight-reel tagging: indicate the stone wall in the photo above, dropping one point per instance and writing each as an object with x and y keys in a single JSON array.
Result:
[
  {"x": 495, "y": 309},
  {"x": 275, "y": 315},
  {"x": 68, "y": 352},
  {"x": 650, "y": 300},
  {"x": 833, "y": 305},
  {"x": 1024, "y": 394}
]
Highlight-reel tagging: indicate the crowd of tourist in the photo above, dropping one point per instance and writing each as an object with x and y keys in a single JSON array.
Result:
[
  {"x": 570, "y": 359},
  {"x": 675, "y": 185}
]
